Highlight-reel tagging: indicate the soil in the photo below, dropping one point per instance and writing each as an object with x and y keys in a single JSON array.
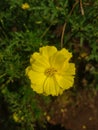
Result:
[{"x": 75, "y": 112}]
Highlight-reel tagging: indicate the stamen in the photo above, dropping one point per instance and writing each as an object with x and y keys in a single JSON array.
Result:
[{"x": 50, "y": 72}]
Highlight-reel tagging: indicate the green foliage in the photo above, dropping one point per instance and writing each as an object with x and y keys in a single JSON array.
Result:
[{"x": 23, "y": 31}]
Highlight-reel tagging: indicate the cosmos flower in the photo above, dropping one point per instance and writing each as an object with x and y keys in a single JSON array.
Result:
[
  {"x": 25, "y": 6},
  {"x": 50, "y": 71}
]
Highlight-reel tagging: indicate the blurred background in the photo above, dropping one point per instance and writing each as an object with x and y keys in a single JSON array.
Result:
[{"x": 25, "y": 26}]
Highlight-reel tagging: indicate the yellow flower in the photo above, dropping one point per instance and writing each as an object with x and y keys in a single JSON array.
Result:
[
  {"x": 17, "y": 118},
  {"x": 25, "y": 6},
  {"x": 50, "y": 71}
]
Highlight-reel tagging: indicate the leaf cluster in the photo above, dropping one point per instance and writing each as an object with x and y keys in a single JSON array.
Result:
[{"x": 68, "y": 23}]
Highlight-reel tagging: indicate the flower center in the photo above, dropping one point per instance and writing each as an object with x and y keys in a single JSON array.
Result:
[{"x": 50, "y": 72}]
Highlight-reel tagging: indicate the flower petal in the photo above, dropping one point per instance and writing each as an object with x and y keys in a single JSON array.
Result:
[
  {"x": 66, "y": 78},
  {"x": 38, "y": 62},
  {"x": 51, "y": 87},
  {"x": 36, "y": 78},
  {"x": 33, "y": 57},
  {"x": 57, "y": 60},
  {"x": 48, "y": 51},
  {"x": 70, "y": 70},
  {"x": 66, "y": 53},
  {"x": 60, "y": 58},
  {"x": 37, "y": 88},
  {"x": 65, "y": 82}
]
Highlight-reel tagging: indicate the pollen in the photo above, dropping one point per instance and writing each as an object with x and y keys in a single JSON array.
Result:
[{"x": 50, "y": 72}]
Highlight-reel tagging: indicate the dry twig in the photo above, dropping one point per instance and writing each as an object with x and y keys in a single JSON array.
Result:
[
  {"x": 64, "y": 26},
  {"x": 81, "y": 7}
]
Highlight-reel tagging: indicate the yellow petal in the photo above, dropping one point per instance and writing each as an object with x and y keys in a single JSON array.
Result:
[
  {"x": 66, "y": 53},
  {"x": 60, "y": 58},
  {"x": 27, "y": 70},
  {"x": 48, "y": 51},
  {"x": 57, "y": 60},
  {"x": 70, "y": 69},
  {"x": 65, "y": 82},
  {"x": 37, "y": 88},
  {"x": 37, "y": 79},
  {"x": 64, "y": 67},
  {"x": 66, "y": 78},
  {"x": 51, "y": 87},
  {"x": 38, "y": 62},
  {"x": 33, "y": 57}
]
